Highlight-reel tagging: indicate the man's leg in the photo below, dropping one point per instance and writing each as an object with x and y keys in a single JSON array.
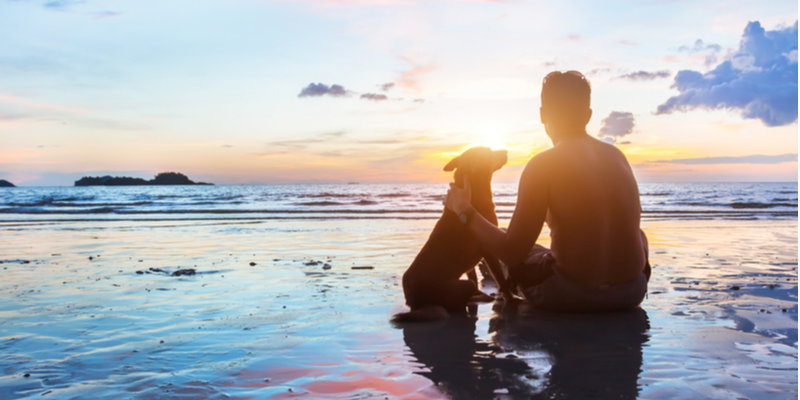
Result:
[
  {"x": 536, "y": 269},
  {"x": 646, "y": 244}
]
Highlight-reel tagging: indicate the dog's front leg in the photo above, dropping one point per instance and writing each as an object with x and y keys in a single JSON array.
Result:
[
  {"x": 479, "y": 296},
  {"x": 499, "y": 276}
]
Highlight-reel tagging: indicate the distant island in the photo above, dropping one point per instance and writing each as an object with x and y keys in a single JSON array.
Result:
[
  {"x": 5, "y": 183},
  {"x": 164, "y": 178}
]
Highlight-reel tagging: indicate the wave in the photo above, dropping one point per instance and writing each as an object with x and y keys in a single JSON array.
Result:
[
  {"x": 222, "y": 211},
  {"x": 657, "y": 194},
  {"x": 353, "y": 211},
  {"x": 739, "y": 205},
  {"x": 331, "y": 194},
  {"x": 392, "y": 195},
  {"x": 320, "y": 203}
]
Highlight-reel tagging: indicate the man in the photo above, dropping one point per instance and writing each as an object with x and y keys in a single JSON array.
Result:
[{"x": 586, "y": 192}]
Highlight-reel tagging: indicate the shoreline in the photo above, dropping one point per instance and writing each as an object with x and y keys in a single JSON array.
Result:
[{"x": 94, "y": 328}]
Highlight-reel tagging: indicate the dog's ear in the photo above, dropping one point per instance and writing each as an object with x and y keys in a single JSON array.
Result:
[
  {"x": 453, "y": 164},
  {"x": 500, "y": 158}
]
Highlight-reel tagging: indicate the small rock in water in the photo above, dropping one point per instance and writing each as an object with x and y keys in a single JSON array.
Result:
[
  {"x": 735, "y": 287},
  {"x": 312, "y": 262},
  {"x": 187, "y": 271},
  {"x": 266, "y": 379},
  {"x": 327, "y": 266},
  {"x": 159, "y": 270},
  {"x": 363, "y": 267},
  {"x": 140, "y": 272},
  {"x": 276, "y": 259},
  {"x": 162, "y": 342},
  {"x": 783, "y": 310},
  {"x": 252, "y": 264},
  {"x": 27, "y": 375},
  {"x": 91, "y": 258}
]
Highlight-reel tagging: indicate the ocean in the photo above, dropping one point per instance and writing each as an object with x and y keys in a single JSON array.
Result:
[{"x": 660, "y": 201}]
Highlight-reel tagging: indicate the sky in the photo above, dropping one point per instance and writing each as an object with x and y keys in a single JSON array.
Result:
[{"x": 261, "y": 91}]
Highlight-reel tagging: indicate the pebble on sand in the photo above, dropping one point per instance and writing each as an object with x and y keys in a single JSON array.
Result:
[{"x": 252, "y": 264}]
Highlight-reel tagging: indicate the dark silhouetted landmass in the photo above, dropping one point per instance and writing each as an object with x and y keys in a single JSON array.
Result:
[
  {"x": 5, "y": 183},
  {"x": 164, "y": 178}
]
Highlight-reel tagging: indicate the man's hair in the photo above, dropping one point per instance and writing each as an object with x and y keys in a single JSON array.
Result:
[{"x": 566, "y": 91}]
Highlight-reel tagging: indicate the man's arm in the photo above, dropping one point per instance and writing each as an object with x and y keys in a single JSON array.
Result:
[{"x": 513, "y": 246}]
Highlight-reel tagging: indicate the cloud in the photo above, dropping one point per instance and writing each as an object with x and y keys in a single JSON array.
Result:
[
  {"x": 286, "y": 146},
  {"x": 598, "y": 71},
  {"x": 408, "y": 79},
  {"x": 227, "y": 145},
  {"x": 615, "y": 126},
  {"x": 418, "y": 100},
  {"x": 386, "y": 86},
  {"x": 700, "y": 47},
  {"x": 759, "y": 79},
  {"x": 645, "y": 76},
  {"x": 107, "y": 14},
  {"x": 752, "y": 159},
  {"x": 24, "y": 102},
  {"x": 374, "y": 97},
  {"x": 60, "y": 4},
  {"x": 319, "y": 89},
  {"x": 628, "y": 43}
]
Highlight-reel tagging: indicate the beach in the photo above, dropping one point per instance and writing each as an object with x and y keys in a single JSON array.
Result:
[{"x": 301, "y": 309}]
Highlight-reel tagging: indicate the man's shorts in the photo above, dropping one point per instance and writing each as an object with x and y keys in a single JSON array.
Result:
[{"x": 544, "y": 287}]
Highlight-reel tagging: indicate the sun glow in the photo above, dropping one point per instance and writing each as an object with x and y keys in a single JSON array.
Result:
[{"x": 493, "y": 138}]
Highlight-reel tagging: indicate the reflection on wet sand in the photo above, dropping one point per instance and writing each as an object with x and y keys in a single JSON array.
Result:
[{"x": 534, "y": 354}]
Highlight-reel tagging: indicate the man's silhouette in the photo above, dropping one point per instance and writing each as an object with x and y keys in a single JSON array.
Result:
[{"x": 585, "y": 190}]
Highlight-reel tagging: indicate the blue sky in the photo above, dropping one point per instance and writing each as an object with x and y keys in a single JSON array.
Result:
[{"x": 211, "y": 88}]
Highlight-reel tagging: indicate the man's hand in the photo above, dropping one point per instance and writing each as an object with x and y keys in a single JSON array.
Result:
[{"x": 459, "y": 199}]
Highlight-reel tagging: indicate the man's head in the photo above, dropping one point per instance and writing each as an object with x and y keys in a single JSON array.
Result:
[{"x": 565, "y": 104}]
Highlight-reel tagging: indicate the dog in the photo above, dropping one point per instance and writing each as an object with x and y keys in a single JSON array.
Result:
[{"x": 432, "y": 284}]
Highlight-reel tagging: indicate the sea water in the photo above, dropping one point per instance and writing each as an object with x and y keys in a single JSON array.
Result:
[{"x": 363, "y": 201}]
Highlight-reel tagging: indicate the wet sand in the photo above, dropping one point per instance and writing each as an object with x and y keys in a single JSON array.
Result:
[{"x": 720, "y": 320}]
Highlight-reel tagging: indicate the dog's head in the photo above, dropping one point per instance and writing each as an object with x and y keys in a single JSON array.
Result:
[{"x": 478, "y": 162}]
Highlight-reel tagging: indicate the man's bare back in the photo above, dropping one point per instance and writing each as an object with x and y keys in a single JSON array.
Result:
[
  {"x": 593, "y": 210},
  {"x": 586, "y": 192}
]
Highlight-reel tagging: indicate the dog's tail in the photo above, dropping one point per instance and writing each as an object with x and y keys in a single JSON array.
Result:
[{"x": 430, "y": 313}]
